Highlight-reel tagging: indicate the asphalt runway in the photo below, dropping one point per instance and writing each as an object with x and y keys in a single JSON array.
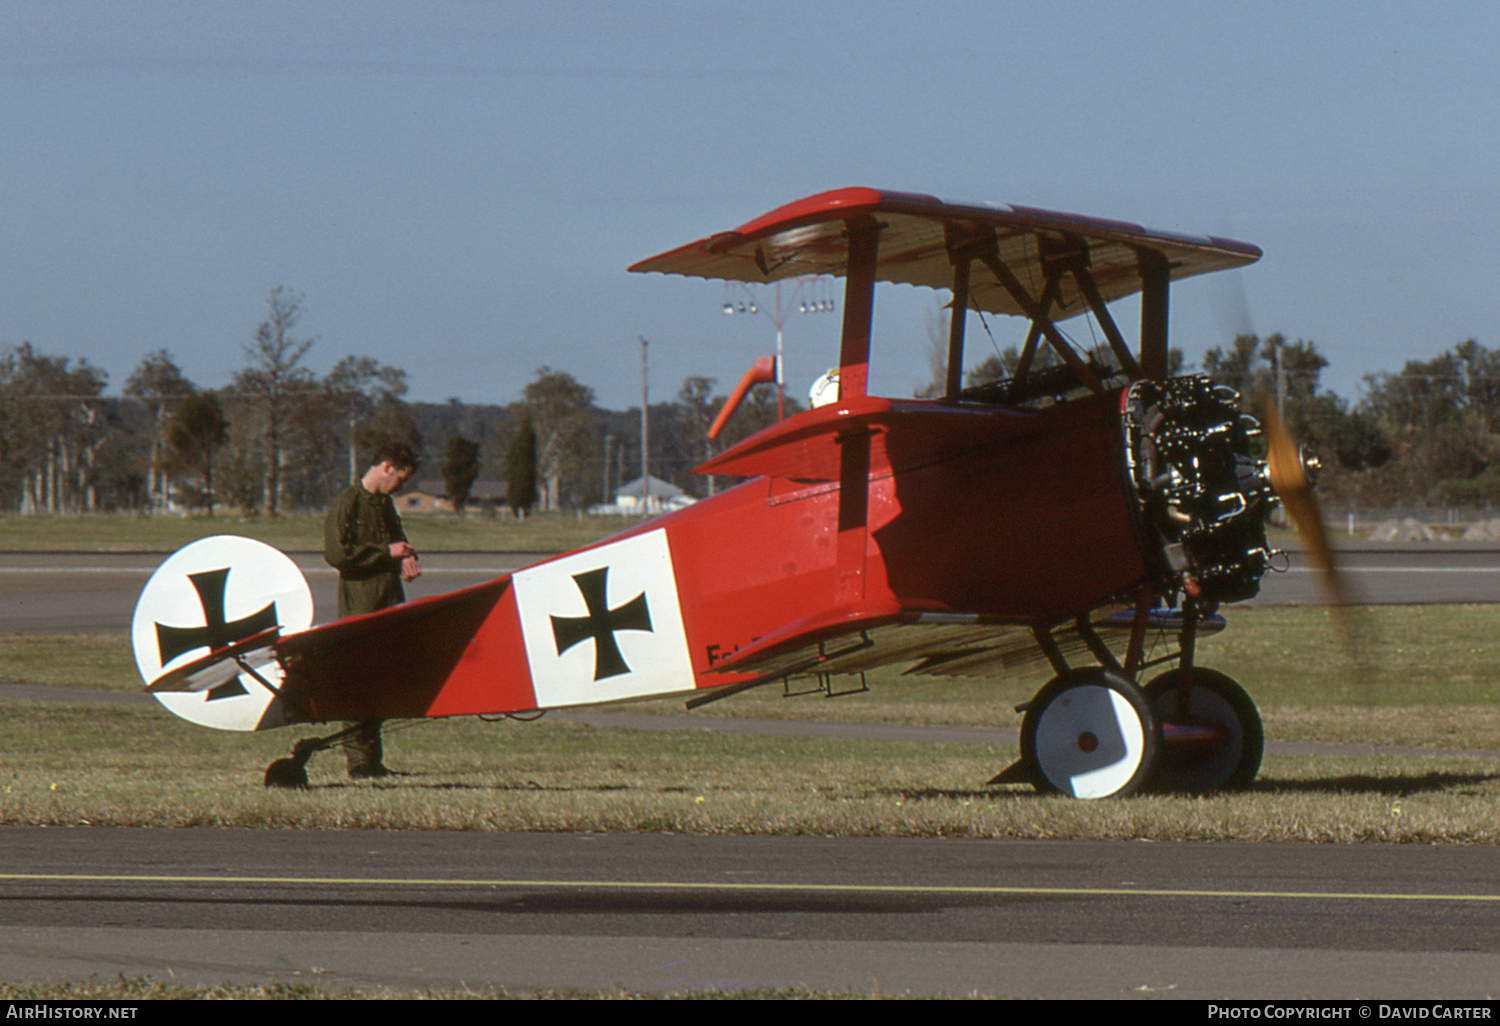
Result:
[
  {"x": 1381, "y": 574},
  {"x": 49, "y": 591},
  {"x": 667, "y": 914},
  {"x": 92, "y": 592}
]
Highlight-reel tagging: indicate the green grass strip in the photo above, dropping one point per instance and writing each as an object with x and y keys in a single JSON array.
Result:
[{"x": 663, "y": 886}]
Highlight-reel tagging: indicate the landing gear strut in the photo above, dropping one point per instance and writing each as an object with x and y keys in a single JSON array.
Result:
[{"x": 1093, "y": 733}]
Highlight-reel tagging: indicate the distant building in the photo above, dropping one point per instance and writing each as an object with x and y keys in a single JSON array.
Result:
[
  {"x": 661, "y": 497},
  {"x": 432, "y": 497}
]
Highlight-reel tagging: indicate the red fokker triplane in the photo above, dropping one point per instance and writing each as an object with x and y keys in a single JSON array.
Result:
[{"x": 1074, "y": 515}]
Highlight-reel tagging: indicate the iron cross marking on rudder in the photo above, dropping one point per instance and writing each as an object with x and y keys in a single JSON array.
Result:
[
  {"x": 216, "y": 632},
  {"x": 601, "y": 623}
]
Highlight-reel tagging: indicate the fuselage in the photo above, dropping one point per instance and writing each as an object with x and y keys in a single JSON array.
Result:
[{"x": 1016, "y": 516}]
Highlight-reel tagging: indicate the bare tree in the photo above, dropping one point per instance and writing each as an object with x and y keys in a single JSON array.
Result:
[
  {"x": 275, "y": 380},
  {"x": 937, "y": 352},
  {"x": 51, "y": 425},
  {"x": 699, "y": 406}
]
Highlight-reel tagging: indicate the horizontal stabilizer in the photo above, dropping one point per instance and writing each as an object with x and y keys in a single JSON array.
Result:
[
  {"x": 220, "y": 666},
  {"x": 206, "y": 626}
]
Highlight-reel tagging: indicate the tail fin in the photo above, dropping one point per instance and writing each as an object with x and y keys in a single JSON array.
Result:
[{"x": 198, "y": 611}]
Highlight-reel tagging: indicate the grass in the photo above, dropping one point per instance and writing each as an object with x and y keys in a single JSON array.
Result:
[
  {"x": 146, "y": 989},
  {"x": 299, "y": 532},
  {"x": 144, "y": 768},
  {"x": 303, "y": 532},
  {"x": 1291, "y": 659},
  {"x": 101, "y": 660},
  {"x": 71, "y": 764}
]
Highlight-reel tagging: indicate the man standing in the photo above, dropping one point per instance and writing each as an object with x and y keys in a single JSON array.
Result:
[{"x": 363, "y": 540}]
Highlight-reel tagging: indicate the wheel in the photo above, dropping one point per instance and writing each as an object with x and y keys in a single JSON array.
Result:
[
  {"x": 1089, "y": 734},
  {"x": 1215, "y": 742}
]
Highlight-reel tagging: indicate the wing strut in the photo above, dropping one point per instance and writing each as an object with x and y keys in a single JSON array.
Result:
[
  {"x": 1038, "y": 314},
  {"x": 958, "y": 315},
  {"x": 1034, "y": 333},
  {"x": 859, "y": 306},
  {"x": 854, "y": 370},
  {"x": 1079, "y": 266},
  {"x": 963, "y": 247},
  {"x": 1156, "y": 282}
]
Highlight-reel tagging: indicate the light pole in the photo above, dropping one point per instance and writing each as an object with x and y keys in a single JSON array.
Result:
[{"x": 645, "y": 434}]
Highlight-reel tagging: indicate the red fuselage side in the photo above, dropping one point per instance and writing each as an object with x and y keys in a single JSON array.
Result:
[
  {"x": 1024, "y": 518},
  {"x": 1015, "y": 516}
]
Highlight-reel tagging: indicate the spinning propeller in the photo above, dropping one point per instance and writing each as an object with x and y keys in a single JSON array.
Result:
[{"x": 1291, "y": 470}]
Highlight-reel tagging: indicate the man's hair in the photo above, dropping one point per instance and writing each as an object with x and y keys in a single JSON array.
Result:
[{"x": 397, "y": 454}]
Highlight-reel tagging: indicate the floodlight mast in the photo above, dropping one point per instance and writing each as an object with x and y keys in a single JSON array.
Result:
[{"x": 777, "y": 316}]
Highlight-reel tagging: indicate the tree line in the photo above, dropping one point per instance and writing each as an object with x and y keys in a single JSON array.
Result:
[
  {"x": 272, "y": 439},
  {"x": 1428, "y": 434},
  {"x": 279, "y": 437}
]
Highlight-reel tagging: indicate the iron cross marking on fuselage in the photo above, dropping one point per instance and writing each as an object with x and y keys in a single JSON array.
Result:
[
  {"x": 601, "y": 623},
  {"x": 216, "y": 632}
]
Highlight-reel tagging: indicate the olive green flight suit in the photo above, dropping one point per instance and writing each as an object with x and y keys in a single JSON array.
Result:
[{"x": 357, "y": 537}]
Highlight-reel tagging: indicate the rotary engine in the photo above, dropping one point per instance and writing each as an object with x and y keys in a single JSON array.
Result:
[{"x": 1203, "y": 497}]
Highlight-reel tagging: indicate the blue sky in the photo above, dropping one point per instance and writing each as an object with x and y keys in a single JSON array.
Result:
[{"x": 456, "y": 188}]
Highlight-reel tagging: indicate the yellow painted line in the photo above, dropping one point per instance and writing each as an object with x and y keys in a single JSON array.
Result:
[{"x": 775, "y": 888}]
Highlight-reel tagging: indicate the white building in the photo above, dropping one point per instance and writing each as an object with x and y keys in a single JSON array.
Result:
[{"x": 661, "y": 497}]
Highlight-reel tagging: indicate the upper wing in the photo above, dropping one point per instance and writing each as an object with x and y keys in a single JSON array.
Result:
[{"x": 919, "y": 232}]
